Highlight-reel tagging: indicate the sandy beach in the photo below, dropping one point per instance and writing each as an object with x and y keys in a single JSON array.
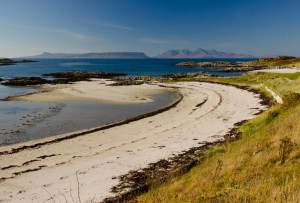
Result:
[
  {"x": 278, "y": 70},
  {"x": 86, "y": 167}
]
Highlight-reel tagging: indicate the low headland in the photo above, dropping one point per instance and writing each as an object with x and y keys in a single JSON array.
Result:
[
  {"x": 280, "y": 62},
  {"x": 7, "y": 61}
]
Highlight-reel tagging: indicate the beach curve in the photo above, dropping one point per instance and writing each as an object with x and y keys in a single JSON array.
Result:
[{"x": 205, "y": 114}]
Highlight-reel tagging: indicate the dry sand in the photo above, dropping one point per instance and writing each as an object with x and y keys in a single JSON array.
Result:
[
  {"x": 275, "y": 70},
  {"x": 48, "y": 173}
]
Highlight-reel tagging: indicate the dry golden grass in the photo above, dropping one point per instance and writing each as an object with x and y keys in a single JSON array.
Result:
[{"x": 250, "y": 169}]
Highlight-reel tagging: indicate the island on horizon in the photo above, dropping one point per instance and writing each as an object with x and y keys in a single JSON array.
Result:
[{"x": 170, "y": 54}]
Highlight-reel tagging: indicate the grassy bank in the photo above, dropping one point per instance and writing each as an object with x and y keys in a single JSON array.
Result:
[
  {"x": 282, "y": 84},
  {"x": 263, "y": 166}
]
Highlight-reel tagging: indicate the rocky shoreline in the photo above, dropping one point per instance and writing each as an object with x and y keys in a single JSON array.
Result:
[
  {"x": 60, "y": 78},
  {"x": 184, "y": 75},
  {"x": 279, "y": 62},
  {"x": 83, "y": 75},
  {"x": 227, "y": 66}
]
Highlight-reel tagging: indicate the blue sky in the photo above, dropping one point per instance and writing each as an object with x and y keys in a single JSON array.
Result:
[{"x": 257, "y": 27}]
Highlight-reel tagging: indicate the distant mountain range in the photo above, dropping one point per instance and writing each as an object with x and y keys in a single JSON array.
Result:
[
  {"x": 184, "y": 53},
  {"x": 106, "y": 55},
  {"x": 200, "y": 53}
]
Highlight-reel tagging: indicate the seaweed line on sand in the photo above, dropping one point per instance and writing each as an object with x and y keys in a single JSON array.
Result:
[{"x": 136, "y": 182}]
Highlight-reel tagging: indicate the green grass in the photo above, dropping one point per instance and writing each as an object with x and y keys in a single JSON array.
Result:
[{"x": 249, "y": 169}]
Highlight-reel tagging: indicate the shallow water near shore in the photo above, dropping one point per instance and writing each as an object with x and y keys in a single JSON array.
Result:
[
  {"x": 17, "y": 116},
  {"x": 25, "y": 121},
  {"x": 6, "y": 91}
]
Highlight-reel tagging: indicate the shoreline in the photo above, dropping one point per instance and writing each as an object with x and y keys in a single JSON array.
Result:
[
  {"x": 59, "y": 138},
  {"x": 137, "y": 182},
  {"x": 131, "y": 106},
  {"x": 176, "y": 130},
  {"x": 94, "y": 90}
]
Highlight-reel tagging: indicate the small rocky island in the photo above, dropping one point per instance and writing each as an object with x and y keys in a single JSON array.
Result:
[
  {"x": 84, "y": 75},
  {"x": 263, "y": 63},
  {"x": 7, "y": 62}
]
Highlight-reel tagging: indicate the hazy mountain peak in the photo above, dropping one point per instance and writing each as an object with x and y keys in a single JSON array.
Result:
[{"x": 200, "y": 53}]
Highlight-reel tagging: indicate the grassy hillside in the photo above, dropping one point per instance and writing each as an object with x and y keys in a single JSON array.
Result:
[{"x": 263, "y": 166}]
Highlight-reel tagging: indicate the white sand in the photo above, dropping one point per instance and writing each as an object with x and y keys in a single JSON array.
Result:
[
  {"x": 100, "y": 156},
  {"x": 275, "y": 70}
]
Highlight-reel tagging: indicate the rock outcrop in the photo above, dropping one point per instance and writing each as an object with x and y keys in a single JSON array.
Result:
[
  {"x": 84, "y": 75},
  {"x": 187, "y": 75},
  {"x": 222, "y": 64},
  {"x": 60, "y": 78},
  {"x": 24, "y": 81}
]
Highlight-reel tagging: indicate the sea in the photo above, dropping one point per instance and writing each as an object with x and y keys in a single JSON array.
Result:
[
  {"x": 22, "y": 121},
  {"x": 132, "y": 67}
]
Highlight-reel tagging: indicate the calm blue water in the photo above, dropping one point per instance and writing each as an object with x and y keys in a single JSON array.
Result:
[
  {"x": 23, "y": 121},
  {"x": 133, "y": 67}
]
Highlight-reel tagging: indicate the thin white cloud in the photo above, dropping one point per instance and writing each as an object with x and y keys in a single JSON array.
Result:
[
  {"x": 72, "y": 34},
  {"x": 113, "y": 25}
]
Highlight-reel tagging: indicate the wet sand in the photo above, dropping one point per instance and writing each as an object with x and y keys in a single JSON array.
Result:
[
  {"x": 16, "y": 117},
  {"x": 89, "y": 164},
  {"x": 34, "y": 116}
]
